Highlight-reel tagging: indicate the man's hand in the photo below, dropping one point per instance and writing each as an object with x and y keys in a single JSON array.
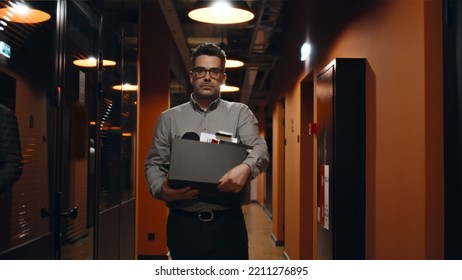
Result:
[
  {"x": 169, "y": 194},
  {"x": 235, "y": 179}
]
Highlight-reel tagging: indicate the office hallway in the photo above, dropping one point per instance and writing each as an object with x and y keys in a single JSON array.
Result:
[{"x": 261, "y": 246}]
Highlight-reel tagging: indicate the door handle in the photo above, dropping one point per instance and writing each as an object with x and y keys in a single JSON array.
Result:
[
  {"x": 45, "y": 213},
  {"x": 70, "y": 214},
  {"x": 56, "y": 215}
]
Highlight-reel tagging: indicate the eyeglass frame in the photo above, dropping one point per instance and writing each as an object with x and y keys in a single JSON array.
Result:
[{"x": 211, "y": 74}]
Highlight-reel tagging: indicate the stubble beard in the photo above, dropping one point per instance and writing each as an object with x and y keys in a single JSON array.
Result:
[{"x": 206, "y": 94}]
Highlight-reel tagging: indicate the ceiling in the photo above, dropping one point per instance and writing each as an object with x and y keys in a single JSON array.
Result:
[{"x": 254, "y": 42}]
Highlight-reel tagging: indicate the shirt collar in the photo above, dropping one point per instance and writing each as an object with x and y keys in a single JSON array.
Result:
[{"x": 211, "y": 107}]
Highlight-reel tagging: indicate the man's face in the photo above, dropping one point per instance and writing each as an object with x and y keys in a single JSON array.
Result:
[{"x": 207, "y": 76}]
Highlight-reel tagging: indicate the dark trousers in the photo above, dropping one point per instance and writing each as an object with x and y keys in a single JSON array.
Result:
[{"x": 223, "y": 238}]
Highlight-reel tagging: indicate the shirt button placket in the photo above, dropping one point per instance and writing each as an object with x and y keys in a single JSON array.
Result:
[{"x": 204, "y": 123}]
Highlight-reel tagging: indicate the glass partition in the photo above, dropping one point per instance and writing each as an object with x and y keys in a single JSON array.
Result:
[
  {"x": 61, "y": 73},
  {"x": 26, "y": 71}
]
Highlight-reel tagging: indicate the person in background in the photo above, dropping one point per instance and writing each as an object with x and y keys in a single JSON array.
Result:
[
  {"x": 10, "y": 150},
  {"x": 196, "y": 229}
]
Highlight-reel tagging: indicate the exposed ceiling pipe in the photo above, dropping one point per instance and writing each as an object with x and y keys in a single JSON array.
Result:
[
  {"x": 171, "y": 16},
  {"x": 261, "y": 37},
  {"x": 251, "y": 73}
]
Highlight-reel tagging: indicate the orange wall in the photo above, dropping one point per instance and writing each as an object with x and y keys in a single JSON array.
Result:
[
  {"x": 308, "y": 215},
  {"x": 405, "y": 83},
  {"x": 261, "y": 179},
  {"x": 278, "y": 173},
  {"x": 292, "y": 194},
  {"x": 299, "y": 193},
  {"x": 154, "y": 79},
  {"x": 402, "y": 42}
]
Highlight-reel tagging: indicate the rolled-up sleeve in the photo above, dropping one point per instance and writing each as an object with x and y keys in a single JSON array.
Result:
[{"x": 258, "y": 158}]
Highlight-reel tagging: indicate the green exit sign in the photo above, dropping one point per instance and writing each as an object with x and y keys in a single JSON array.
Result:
[{"x": 5, "y": 49}]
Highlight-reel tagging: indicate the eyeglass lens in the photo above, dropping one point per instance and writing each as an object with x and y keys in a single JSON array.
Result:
[{"x": 214, "y": 73}]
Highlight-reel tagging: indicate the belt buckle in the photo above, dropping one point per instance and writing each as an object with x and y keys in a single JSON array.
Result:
[{"x": 205, "y": 216}]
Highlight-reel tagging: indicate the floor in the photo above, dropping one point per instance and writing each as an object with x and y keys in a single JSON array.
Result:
[
  {"x": 261, "y": 245},
  {"x": 258, "y": 222}
]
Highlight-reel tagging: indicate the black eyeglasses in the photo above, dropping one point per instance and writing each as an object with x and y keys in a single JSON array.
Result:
[{"x": 200, "y": 72}]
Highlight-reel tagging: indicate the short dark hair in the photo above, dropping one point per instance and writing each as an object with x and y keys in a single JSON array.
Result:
[{"x": 209, "y": 49}]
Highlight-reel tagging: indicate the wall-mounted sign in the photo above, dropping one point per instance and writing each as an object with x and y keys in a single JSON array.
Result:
[{"x": 5, "y": 49}]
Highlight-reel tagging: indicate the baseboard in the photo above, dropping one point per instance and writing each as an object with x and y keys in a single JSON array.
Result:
[
  {"x": 277, "y": 242},
  {"x": 152, "y": 257}
]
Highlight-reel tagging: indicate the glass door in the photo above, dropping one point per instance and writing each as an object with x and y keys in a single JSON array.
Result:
[
  {"x": 115, "y": 133},
  {"x": 99, "y": 110},
  {"x": 76, "y": 191}
]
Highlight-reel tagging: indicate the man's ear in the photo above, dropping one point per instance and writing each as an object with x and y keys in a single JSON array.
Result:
[
  {"x": 223, "y": 80},
  {"x": 190, "y": 77}
]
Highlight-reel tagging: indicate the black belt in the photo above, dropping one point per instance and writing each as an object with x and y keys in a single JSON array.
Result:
[{"x": 206, "y": 215}]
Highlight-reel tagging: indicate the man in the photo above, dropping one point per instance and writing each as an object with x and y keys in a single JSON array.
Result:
[
  {"x": 10, "y": 150},
  {"x": 195, "y": 229}
]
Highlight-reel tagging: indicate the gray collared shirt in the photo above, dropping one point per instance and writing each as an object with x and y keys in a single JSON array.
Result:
[{"x": 232, "y": 117}]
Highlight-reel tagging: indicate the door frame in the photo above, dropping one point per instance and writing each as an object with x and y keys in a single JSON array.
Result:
[{"x": 452, "y": 79}]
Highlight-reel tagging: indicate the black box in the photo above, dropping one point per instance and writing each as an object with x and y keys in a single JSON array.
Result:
[{"x": 200, "y": 165}]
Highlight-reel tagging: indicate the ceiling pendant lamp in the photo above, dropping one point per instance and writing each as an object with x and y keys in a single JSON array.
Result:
[
  {"x": 92, "y": 62},
  {"x": 233, "y": 63},
  {"x": 20, "y": 13},
  {"x": 221, "y": 12},
  {"x": 226, "y": 88},
  {"x": 125, "y": 87},
  {"x": 230, "y": 62}
]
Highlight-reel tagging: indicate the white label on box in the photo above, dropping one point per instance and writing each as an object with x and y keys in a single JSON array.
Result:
[{"x": 212, "y": 138}]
